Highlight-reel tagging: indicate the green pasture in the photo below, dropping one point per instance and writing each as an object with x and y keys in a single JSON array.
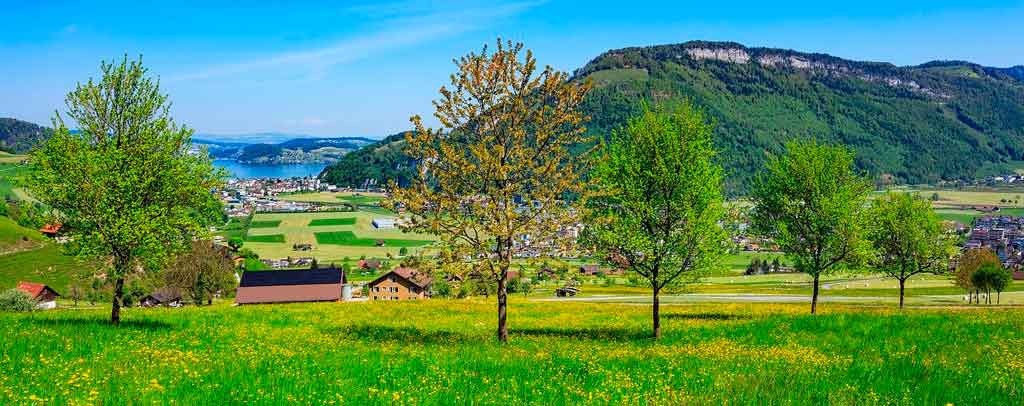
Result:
[
  {"x": 345, "y": 221},
  {"x": 443, "y": 352}
]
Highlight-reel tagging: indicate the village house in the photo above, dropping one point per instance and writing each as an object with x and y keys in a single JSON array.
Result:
[
  {"x": 590, "y": 270},
  {"x": 51, "y": 230},
  {"x": 286, "y": 286},
  {"x": 44, "y": 296},
  {"x": 369, "y": 264},
  {"x": 401, "y": 284},
  {"x": 162, "y": 297}
]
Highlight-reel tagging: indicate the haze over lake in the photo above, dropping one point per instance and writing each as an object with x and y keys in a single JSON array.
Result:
[{"x": 245, "y": 171}]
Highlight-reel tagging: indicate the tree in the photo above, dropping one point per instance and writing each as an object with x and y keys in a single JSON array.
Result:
[
  {"x": 235, "y": 243},
  {"x": 908, "y": 238},
  {"x": 201, "y": 272},
  {"x": 403, "y": 251},
  {"x": 999, "y": 280},
  {"x": 500, "y": 166},
  {"x": 124, "y": 184},
  {"x": 810, "y": 202},
  {"x": 660, "y": 201},
  {"x": 970, "y": 262}
]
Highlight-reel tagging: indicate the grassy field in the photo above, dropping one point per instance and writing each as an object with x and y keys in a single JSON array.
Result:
[
  {"x": 264, "y": 223},
  {"x": 355, "y": 198},
  {"x": 442, "y": 352},
  {"x": 270, "y": 238},
  {"x": 351, "y": 236},
  {"x": 346, "y": 221}
]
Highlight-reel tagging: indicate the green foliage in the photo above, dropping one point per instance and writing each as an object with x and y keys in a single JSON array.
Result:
[
  {"x": 15, "y": 300},
  {"x": 811, "y": 203},
  {"x": 235, "y": 243},
  {"x": 124, "y": 185},
  {"x": 660, "y": 198},
  {"x": 908, "y": 237}
]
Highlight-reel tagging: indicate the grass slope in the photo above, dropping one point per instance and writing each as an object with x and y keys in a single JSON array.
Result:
[
  {"x": 443, "y": 352},
  {"x": 46, "y": 264}
]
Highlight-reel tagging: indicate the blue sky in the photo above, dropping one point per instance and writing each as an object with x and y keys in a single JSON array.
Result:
[{"x": 362, "y": 68}]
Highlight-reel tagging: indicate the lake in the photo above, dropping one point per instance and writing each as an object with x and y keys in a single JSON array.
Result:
[{"x": 245, "y": 171}]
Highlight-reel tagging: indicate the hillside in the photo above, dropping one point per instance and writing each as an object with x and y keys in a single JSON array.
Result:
[
  {"x": 19, "y": 137},
  {"x": 943, "y": 120},
  {"x": 295, "y": 150},
  {"x": 375, "y": 164}
]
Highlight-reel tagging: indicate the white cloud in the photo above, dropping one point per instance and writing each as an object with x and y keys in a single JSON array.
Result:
[{"x": 397, "y": 33}]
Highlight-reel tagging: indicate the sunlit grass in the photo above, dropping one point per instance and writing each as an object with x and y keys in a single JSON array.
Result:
[{"x": 442, "y": 352}]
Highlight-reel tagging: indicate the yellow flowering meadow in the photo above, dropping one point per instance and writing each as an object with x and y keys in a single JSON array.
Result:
[{"x": 443, "y": 352}]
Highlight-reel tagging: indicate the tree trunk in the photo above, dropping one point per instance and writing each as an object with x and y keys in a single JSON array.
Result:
[
  {"x": 502, "y": 307},
  {"x": 656, "y": 314},
  {"x": 814, "y": 296},
  {"x": 115, "y": 310},
  {"x": 902, "y": 283}
]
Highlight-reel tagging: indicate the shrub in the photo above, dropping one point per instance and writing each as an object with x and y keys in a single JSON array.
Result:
[{"x": 14, "y": 300}]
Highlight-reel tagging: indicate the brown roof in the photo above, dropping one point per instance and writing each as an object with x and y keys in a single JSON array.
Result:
[
  {"x": 309, "y": 285},
  {"x": 35, "y": 289},
  {"x": 415, "y": 277},
  {"x": 50, "y": 229}
]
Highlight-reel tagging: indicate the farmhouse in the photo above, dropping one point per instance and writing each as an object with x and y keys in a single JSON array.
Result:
[
  {"x": 286, "y": 286},
  {"x": 589, "y": 269},
  {"x": 369, "y": 264},
  {"x": 51, "y": 230},
  {"x": 45, "y": 297},
  {"x": 384, "y": 223},
  {"x": 401, "y": 284},
  {"x": 162, "y": 297}
]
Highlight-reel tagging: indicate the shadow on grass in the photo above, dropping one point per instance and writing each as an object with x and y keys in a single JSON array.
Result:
[
  {"x": 599, "y": 334},
  {"x": 410, "y": 335},
  {"x": 400, "y": 334},
  {"x": 151, "y": 325},
  {"x": 705, "y": 316}
]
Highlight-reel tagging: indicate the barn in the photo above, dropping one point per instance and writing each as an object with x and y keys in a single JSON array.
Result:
[{"x": 289, "y": 286}]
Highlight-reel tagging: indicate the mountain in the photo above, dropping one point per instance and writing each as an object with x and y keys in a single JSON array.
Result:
[
  {"x": 942, "y": 120},
  {"x": 19, "y": 137},
  {"x": 298, "y": 150}
]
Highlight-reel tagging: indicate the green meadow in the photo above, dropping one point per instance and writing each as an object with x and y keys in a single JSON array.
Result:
[{"x": 443, "y": 352}]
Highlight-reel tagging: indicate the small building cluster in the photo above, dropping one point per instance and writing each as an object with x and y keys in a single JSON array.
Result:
[{"x": 1004, "y": 235}]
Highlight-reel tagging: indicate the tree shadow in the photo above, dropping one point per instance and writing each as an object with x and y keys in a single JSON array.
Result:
[
  {"x": 597, "y": 334},
  {"x": 705, "y": 316},
  {"x": 144, "y": 324},
  {"x": 409, "y": 335}
]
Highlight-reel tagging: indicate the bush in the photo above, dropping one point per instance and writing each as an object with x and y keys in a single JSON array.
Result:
[{"x": 14, "y": 300}]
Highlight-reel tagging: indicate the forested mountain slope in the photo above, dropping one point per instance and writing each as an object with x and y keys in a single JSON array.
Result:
[
  {"x": 942, "y": 120},
  {"x": 19, "y": 137}
]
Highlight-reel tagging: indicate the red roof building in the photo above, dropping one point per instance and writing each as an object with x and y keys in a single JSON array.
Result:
[
  {"x": 42, "y": 294},
  {"x": 51, "y": 230}
]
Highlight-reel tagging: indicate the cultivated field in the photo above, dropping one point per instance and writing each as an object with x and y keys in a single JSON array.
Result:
[
  {"x": 356, "y": 198},
  {"x": 442, "y": 352},
  {"x": 341, "y": 235}
]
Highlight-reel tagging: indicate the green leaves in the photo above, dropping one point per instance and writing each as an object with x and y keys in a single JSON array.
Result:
[
  {"x": 908, "y": 237},
  {"x": 659, "y": 202},
  {"x": 124, "y": 185}
]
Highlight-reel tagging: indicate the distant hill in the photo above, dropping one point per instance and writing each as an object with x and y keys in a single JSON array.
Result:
[
  {"x": 290, "y": 151},
  {"x": 943, "y": 120},
  {"x": 18, "y": 137},
  {"x": 372, "y": 165}
]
